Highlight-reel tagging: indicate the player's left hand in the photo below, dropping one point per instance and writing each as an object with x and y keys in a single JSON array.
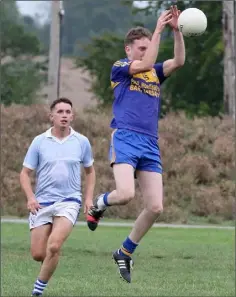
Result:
[
  {"x": 87, "y": 204},
  {"x": 175, "y": 15}
]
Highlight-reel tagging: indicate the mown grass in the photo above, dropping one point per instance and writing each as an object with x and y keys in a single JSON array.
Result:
[{"x": 168, "y": 262}]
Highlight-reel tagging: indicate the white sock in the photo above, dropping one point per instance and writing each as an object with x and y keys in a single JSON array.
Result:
[{"x": 100, "y": 202}]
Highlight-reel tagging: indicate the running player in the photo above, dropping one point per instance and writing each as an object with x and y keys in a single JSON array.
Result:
[{"x": 56, "y": 156}]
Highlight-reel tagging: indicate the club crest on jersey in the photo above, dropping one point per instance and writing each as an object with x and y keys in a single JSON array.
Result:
[{"x": 148, "y": 76}]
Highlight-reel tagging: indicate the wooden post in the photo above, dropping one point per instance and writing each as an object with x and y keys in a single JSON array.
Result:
[
  {"x": 54, "y": 53},
  {"x": 229, "y": 56}
]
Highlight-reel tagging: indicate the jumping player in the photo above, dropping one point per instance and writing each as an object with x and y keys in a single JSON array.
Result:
[{"x": 136, "y": 82}]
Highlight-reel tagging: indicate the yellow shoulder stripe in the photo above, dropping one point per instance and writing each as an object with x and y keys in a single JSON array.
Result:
[{"x": 114, "y": 84}]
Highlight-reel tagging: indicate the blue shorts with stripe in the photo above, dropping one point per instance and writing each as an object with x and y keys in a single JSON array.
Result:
[{"x": 137, "y": 149}]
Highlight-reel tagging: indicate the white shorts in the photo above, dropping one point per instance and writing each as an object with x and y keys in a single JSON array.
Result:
[{"x": 45, "y": 215}]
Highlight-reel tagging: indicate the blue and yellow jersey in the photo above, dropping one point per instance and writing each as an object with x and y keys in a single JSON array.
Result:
[{"x": 136, "y": 98}]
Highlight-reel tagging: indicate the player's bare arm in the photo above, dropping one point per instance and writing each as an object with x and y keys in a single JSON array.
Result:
[
  {"x": 25, "y": 181},
  {"x": 177, "y": 62},
  {"x": 151, "y": 53},
  {"x": 90, "y": 180}
]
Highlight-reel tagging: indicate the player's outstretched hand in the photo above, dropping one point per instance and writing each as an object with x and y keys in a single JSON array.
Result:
[
  {"x": 175, "y": 15},
  {"x": 33, "y": 205},
  {"x": 164, "y": 19}
]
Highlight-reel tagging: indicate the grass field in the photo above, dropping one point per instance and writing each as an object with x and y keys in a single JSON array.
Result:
[{"x": 169, "y": 262}]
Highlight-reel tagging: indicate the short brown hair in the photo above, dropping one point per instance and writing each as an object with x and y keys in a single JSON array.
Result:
[
  {"x": 137, "y": 33},
  {"x": 60, "y": 100}
]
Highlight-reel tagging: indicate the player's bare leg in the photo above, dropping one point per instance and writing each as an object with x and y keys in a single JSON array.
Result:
[
  {"x": 152, "y": 189},
  {"x": 125, "y": 190},
  {"x": 61, "y": 229},
  {"x": 151, "y": 186},
  {"x": 39, "y": 239}
]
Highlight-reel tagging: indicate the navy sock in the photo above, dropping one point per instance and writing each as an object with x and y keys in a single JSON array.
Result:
[
  {"x": 105, "y": 199},
  {"x": 128, "y": 247}
]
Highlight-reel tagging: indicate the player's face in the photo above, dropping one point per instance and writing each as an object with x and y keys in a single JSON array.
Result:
[
  {"x": 137, "y": 49},
  {"x": 61, "y": 115}
]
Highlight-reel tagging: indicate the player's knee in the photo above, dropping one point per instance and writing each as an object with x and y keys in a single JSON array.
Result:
[
  {"x": 38, "y": 256},
  {"x": 126, "y": 195},
  {"x": 157, "y": 209},
  {"x": 53, "y": 248}
]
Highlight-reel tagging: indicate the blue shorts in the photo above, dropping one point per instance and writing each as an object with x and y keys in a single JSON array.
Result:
[{"x": 137, "y": 149}]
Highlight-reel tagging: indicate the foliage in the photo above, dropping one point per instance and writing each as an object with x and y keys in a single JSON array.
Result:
[
  {"x": 41, "y": 31},
  {"x": 20, "y": 81},
  {"x": 198, "y": 159},
  {"x": 85, "y": 19},
  {"x": 198, "y": 86},
  {"x": 14, "y": 41},
  {"x": 108, "y": 48},
  {"x": 20, "y": 75}
]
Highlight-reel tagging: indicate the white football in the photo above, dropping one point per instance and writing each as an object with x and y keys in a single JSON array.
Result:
[{"x": 192, "y": 22}]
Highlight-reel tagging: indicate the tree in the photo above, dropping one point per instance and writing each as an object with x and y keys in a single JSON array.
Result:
[
  {"x": 100, "y": 56},
  {"x": 20, "y": 76},
  {"x": 41, "y": 31},
  {"x": 85, "y": 19},
  {"x": 197, "y": 88},
  {"x": 10, "y": 8},
  {"x": 19, "y": 82}
]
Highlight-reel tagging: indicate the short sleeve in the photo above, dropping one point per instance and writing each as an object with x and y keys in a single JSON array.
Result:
[
  {"x": 31, "y": 160},
  {"x": 87, "y": 159},
  {"x": 120, "y": 70},
  {"x": 159, "y": 71}
]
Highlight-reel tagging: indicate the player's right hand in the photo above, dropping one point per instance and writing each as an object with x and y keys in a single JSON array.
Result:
[
  {"x": 164, "y": 19},
  {"x": 33, "y": 205}
]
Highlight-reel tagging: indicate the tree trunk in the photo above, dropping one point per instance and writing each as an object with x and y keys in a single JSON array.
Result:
[{"x": 229, "y": 57}]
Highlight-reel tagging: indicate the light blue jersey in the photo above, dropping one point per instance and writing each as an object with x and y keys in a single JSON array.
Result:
[{"x": 58, "y": 165}]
